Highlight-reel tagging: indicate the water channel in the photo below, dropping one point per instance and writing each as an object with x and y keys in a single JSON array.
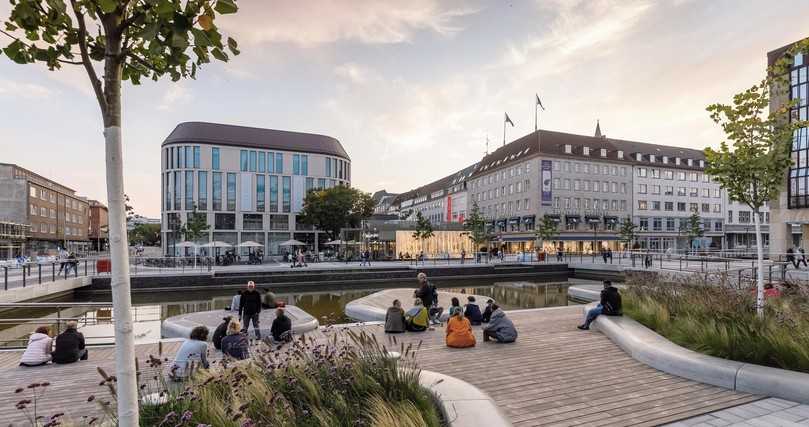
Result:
[{"x": 151, "y": 308}]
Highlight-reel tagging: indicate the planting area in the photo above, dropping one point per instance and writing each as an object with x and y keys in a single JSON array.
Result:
[{"x": 714, "y": 317}]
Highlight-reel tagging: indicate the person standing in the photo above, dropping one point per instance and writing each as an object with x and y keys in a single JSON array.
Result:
[
  {"x": 463, "y": 255},
  {"x": 425, "y": 291},
  {"x": 791, "y": 257},
  {"x": 69, "y": 345},
  {"x": 250, "y": 308},
  {"x": 803, "y": 257}
]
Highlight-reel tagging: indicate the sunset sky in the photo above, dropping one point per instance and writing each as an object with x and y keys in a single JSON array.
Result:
[{"x": 412, "y": 89}]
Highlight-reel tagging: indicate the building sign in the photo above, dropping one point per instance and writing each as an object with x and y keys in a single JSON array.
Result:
[
  {"x": 449, "y": 209},
  {"x": 547, "y": 179}
]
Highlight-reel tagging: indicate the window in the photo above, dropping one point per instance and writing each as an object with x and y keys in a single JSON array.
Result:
[
  {"x": 717, "y": 193},
  {"x": 526, "y": 184},
  {"x": 196, "y": 157},
  {"x": 668, "y": 206},
  {"x": 568, "y": 149},
  {"x": 178, "y": 191},
  {"x": 657, "y": 224},
  {"x": 642, "y": 172},
  {"x": 614, "y": 186},
  {"x": 655, "y": 173},
  {"x": 717, "y": 208},
  {"x": 655, "y": 205},
  {"x": 566, "y": 167},
  {"x": 189, "y": 190},
  {"x": 693, "y": 192},
  {"x": 642, "y": 205},
  {"x": 225, "y": 221},
  {"x": 692, "y": 176},
  {"x": 655, "y": 189},
  {"x": 693, "y": 207},
  {"x": 680, "y": 206},
  {"x": 53, "y": 213},
  {"x": 215, "y": 158},
  {"x": 603, "y": 152},
  {"x": 260, "y": 193},
  {"x": 623, "y": 205},
  {"x": 279, "y": 163},
  {"x": 670, "y": 224},
  {"x": 620, "y": 154},
  {"x": 556, "y": 183},
  {"x": 717, "y": 224},
  {"x": 274, "y": 193},
  {"x": 305, "y": 166},
  {"x": 189, "y": 157},
  {"x": 243, "y": 160},
  {"x": 296, "y": 164},
  {"x": 202, "y": 190},
  {"x": 231, "y": 192},
  {"x": 179, "y": 158},
  {"x": 253, "y": 160},
  {"x": 216, "y": 191},
  {"x": 33, "y": 210},
  {"x": 567, "y": 184},
  {"x": 706, "y": 192},
  {"x": 43, "y": 228},
  {"x": 623, "y": 188},
  {"x": 287, "y": 194},
  {"x": 33, "y": 191},
  {"x": 642, "y": 188},
  {"x": 253, "y": 221},
  {"x": 643, "y": 224}
]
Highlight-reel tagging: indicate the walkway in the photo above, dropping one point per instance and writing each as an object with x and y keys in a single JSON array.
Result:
[
  {"x": 553, "y": 375},
  {"x": 770, "y": 412}
]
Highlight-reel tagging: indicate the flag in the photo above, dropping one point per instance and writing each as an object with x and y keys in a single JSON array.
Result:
[
  {"x": 508, "y": 120},
  {"x": 540, "y": 103}
]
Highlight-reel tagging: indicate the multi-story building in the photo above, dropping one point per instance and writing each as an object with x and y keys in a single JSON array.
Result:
[
  {"x": 792, "y": 207},
  {"x": 99, "y": 221},
  {"x": 54, "y": 215},
  {"x": 248, "y": 182},
  {"x": 444, "y": 200}
]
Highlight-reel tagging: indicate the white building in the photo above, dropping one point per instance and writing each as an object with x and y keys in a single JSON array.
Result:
[{"x": 248, "y": 182}]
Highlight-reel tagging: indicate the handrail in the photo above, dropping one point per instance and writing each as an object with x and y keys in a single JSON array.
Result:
[{"x": 53, "y": 304}]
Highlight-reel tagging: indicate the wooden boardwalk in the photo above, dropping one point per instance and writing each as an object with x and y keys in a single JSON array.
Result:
[{"x": 553, "y": 375}]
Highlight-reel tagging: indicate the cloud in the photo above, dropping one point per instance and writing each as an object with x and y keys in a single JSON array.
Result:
[
  {"x": 177, "y": 94},
  {"x": 355, "y": 73},
  {"x": 24, "y": 90},
  {"x": 328, "y": 21}
]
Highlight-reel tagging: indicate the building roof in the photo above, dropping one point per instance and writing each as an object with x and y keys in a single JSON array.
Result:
[
  {"x": 553, "y": 144},
  {"x": 776, "y": 54},
  {"x": 244, "y": 136},
  {"x": 441, "y": 184}
]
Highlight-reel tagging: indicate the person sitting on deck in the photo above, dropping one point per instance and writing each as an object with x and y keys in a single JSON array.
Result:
[
  {"x": 417, "y": 319},
  {"x": 472, "y": 311},
  {"x": 454, "y": 302},
  {"x": 395, "y": 319},
  {"x": 236, "y": 344},
  {"x": 610, "y": 305},
  {"x": 500, "y": 327},
  {"x": 193, "y": 350},
  {"x": 220, "y": 332},
  {"x": 487, "y": 312},
  {"x": 281, "y": 328},
  {"x": 69, "y": 346},
  {"x": 459, "y": 330},
  {"x": 268, "y": 300},
  {"x": 39, "y": 349}
]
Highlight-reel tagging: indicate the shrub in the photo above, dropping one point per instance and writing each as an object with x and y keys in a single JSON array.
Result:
[{"x": 711, "y": 315}]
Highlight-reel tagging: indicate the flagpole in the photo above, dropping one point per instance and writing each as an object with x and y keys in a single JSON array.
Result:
[
  {"x": 504, "y": 132},
  {"x": 536, "y": 112}
]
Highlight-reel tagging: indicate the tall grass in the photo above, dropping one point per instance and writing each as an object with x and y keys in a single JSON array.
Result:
[
  {"x": 712, "y": 316},
  {"x": 349, "y": 381}
]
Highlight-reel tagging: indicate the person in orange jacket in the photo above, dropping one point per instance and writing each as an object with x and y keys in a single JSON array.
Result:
[{"x": 459, "y": 330}]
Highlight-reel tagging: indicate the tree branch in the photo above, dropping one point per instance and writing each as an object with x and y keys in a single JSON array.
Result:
[{"x": 85, "y": 58}]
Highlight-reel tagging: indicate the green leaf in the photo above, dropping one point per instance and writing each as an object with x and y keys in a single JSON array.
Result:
[
  {"x": 226, "y": 7},
  {"x": 149, "y": 32},
  {"x": 10, "y": 26},
  {"x": 218, "y": 54},
  {"x": 200, "y": 38},
  {"x": 165, "y": 8},
  {"x": 16, "y": 52},
  {"x": 232, "y": 43},
  {"x": 108, "y": 6}
]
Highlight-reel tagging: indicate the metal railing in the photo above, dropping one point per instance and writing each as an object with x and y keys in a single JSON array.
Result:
[{"x": 55, "y": 319}]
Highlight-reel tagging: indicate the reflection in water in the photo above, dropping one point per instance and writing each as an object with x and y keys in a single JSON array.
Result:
[{"x": 327, "y": 306}]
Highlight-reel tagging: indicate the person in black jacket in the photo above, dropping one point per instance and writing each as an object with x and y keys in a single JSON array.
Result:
[
  {"x": 487, "y": 312},
  {"x": 69, "y": 345},
  {"x": 281, "y": 329},
  {"x": 250, "y": 308},
  {"x": 610, "y": 305},
  {"x": 425, "y": 291},
  {"x": 220, "y": 332},
  {"x": 472, "y": 311}
]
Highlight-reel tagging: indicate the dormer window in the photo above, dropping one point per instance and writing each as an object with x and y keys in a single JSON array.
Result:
[
  {"x": 638, "y": 157},
  {"x": 690, "y": 162},
  {"x": 652, "y": 158},
  {"x": 585, "y": 151},
  {"x": 620, "y": 154},
  {"x": 665, "y": 159},
  {"x": 568, "y": 149},
  {"x": 702, "y": 163},
  {"x": 603, "y": 152},
  {"x": 677, "y": 161}
]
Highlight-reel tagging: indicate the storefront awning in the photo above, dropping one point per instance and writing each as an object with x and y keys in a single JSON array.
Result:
[
  {"x": 611, "y": 219},
  {"x": 592, "y": 218},
  {"x": 529, "y": 219},
  {"x": 572, "y": 219},
  {"x": 501, "y": 222},
  {"x": 514, "y": 220},
  {"x": 585, "y": 238},
  {"x": 553, "y": 217},
  {"x": 518, "y": 239}
]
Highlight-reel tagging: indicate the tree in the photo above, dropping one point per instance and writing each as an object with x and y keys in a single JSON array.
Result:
[
  {"x": 627, "y": 232},
  {"x": 548, "y": 230},
  {"x": 692, "y": 228},
  {"x": 196, "y": 226},
  {"x": 146, "y": 234},
  {"x": 332, "y": 209},
  {"x": 424, "y": 229},
  {"x": 125, "y": 40},
  {"x": 475, "y": 226},
  {"x": 752, "y": 163},
  {"x": 130, "y": 211}
]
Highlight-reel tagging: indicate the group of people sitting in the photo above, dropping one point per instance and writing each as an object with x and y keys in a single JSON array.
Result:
[
  {"x": 67, "y": 347},
  {"x": 459, "y": 334}
]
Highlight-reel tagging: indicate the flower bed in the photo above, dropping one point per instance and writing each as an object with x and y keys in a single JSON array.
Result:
[
  {"x": 347, "y": 382},
  {"x": 711, "y": 316}
]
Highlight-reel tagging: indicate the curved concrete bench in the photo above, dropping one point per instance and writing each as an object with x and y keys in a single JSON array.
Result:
[
  {"x": 462, "y": 404},
  {"x": 373, "y": 307},
  {"x": 180, "y": 326},
  {"x": 646, "y": 346}
]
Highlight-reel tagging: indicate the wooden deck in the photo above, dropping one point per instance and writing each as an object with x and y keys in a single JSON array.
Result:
[{"x": 553, "y": 375}]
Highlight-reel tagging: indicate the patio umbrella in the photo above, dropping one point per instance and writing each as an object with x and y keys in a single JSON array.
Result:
[
  {"x": 334, "y": 242},
  {"x": 292, "y": 242},
  {"x": 217, "y": 244},
  {"x": 250, "y": 244},
  {"x": 187, "y": 244}
]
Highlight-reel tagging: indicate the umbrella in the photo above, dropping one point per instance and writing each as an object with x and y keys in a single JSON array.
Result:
[
  {"x": 250, "y": 244},
  {"x": 292, "y": 242},
  {"x": 189, "y": 245},
  {"x": 217, "y": 244},
  {"x": 334, "y": 242}
]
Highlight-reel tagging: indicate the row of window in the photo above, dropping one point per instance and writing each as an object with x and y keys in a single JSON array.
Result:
[
  {"x": 586, "y": 185},
  {"x": 587, "y": 168},
  {"x": 44, "y": 228},
  {"x": 259, "y": 161},
  {"x": 503, "y": 191},
  {"x": 50, "y": 196},
  {"x": 681, "y": 191},
  {"x": 502, "y": 175},
  {"x": 671, "y": 224},
  {"x": 227, "y": 221},
  {"x": 586, "y": 204},
  {"x": 655, "y": 205},
  {"x": 745, "y": 217},
  {"x": 505, "y": 208},
  {"x": 798, "y": 195},
  {"x": 184, "y": 157},
  {"x": 51, "y": 213},
  {"x": 669, "y": 174}
]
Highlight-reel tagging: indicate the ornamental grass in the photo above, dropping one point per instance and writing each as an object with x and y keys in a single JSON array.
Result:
[{"x": 711, "y": 315}]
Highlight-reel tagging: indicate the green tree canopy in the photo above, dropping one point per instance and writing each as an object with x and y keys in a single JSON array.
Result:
[
  {"x": 333, "y": 209},
  {"x": 475, "y": 226},
  {"x": 548, "y": 229},
  {"x": 627, "y": 232},
  {"x": 692, "y": 227},
  {"x": 145, "y": 234},
  {"x": 424, "y": 229},
  {"x": 196, "y": 226}
]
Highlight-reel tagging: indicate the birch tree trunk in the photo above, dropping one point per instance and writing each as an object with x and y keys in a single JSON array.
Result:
[{"x": 760, "y": 264}]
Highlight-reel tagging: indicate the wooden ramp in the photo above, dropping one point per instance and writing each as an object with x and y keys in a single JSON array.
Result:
[{"x": 553, "y": 375}]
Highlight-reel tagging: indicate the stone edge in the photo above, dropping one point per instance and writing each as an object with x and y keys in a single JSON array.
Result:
[
  {"x": 650, "y": 348},
  {"x": 461, "y": 403}
]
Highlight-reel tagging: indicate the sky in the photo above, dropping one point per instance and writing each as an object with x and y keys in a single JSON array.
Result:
[{"x": 413, "y": 89}]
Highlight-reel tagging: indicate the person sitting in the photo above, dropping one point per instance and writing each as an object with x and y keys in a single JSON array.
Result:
[
  {"x": 268, "y": 300},
  {"x": 417, "y": 318},
  {"x": 235, "y": 344},
  {"x": 281, "y": 328},
  {"x": 459, "y": 330},
  {"x": 39, "y": 349},
  {"x": 610, "y": 305},
  {"x": 487, "y": 312},
  {"x": 395, "y": 318},
  {"x": 472, "y": 311},
  {"x": 500, "y": 327},
  {"x": 220, "y": 332},
  {"x": 69, "y": 346},
  {"x": 193, "y": 350},
  {"x": 454, "y": 302}
]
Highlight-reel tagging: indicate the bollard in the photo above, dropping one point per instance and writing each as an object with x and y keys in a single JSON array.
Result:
[
  {"x": 39, "y": 272},
  {"x": 85, "y": 267},
  {"x": 53, "y": 272},
  {"x": 23, "y": 275},
  {"x": 5, "y": 277}
]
